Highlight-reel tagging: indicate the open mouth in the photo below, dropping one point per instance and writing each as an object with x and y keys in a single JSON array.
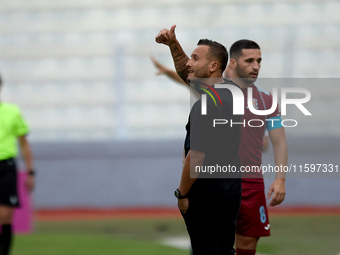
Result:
[{"x": 190, "y": 71}]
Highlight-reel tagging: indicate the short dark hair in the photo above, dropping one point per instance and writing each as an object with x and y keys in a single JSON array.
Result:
[
  {"x": 216, "y": 51},
  {"x": 237, "y": 47}
]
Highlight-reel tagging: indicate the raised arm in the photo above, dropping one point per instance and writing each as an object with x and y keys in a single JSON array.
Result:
[
  {"x": 166, "y": 71},
  {"x": 168, "y": 37}
]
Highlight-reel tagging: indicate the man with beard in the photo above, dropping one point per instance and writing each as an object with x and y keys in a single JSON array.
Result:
[
  {"x": 252, "y": 220},
  {"x": 209, "y": 206}
]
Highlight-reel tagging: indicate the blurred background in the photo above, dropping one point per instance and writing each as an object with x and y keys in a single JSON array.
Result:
[{"x": 107, "y": 132}]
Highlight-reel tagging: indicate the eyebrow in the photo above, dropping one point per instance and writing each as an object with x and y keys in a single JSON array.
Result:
[{"x": 253, "y": 59}]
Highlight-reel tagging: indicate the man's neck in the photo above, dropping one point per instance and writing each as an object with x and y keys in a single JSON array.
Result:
[
  {"x": 210, "y": 81},
  {"x": 241, "y": 83}
]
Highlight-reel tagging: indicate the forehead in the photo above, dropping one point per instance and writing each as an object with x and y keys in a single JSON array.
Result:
[
  {"x": 201, "y": 50},
  {"x": 251, "y": 53}
]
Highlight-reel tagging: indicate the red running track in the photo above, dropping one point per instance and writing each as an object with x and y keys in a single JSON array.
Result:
[{"x": 154, "y": 212}]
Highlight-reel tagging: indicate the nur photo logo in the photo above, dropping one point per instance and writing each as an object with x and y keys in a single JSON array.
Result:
[{"x": 239, "y": 103}]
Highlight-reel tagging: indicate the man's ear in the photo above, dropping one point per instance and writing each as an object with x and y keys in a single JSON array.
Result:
[
  {"x": 214, "y": 66},
  {"x": 232, "y": 63}
]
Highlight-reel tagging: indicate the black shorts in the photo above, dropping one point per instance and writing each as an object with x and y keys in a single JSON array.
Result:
[{"x": 8, "y": 183}]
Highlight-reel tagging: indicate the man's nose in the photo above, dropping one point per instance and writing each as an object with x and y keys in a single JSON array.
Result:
[{"x": 256, "y": 66}]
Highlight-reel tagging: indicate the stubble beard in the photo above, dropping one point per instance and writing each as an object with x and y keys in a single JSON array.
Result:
[
  {"x": 244, "y": 77},
  {"x": 200, "y": 75}
]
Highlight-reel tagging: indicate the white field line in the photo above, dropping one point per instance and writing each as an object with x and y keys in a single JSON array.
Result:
[{"x": 177, "y": 242}]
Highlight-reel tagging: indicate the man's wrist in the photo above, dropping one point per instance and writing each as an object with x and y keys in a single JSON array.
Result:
[
  {"x": 175, "y": 46},
  {"x": 178, "y": 195},
  {"x": 281, "y": 179}
]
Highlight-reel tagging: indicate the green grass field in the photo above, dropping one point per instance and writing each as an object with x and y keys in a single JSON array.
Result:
[{"x": 290, "y": 235}]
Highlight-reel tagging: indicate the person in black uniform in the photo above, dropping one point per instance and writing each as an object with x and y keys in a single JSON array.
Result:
[{"x": 209, "y": 203}]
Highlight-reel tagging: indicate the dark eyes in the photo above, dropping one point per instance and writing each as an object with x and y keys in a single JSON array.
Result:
[{"x": 251, "y": 60}]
